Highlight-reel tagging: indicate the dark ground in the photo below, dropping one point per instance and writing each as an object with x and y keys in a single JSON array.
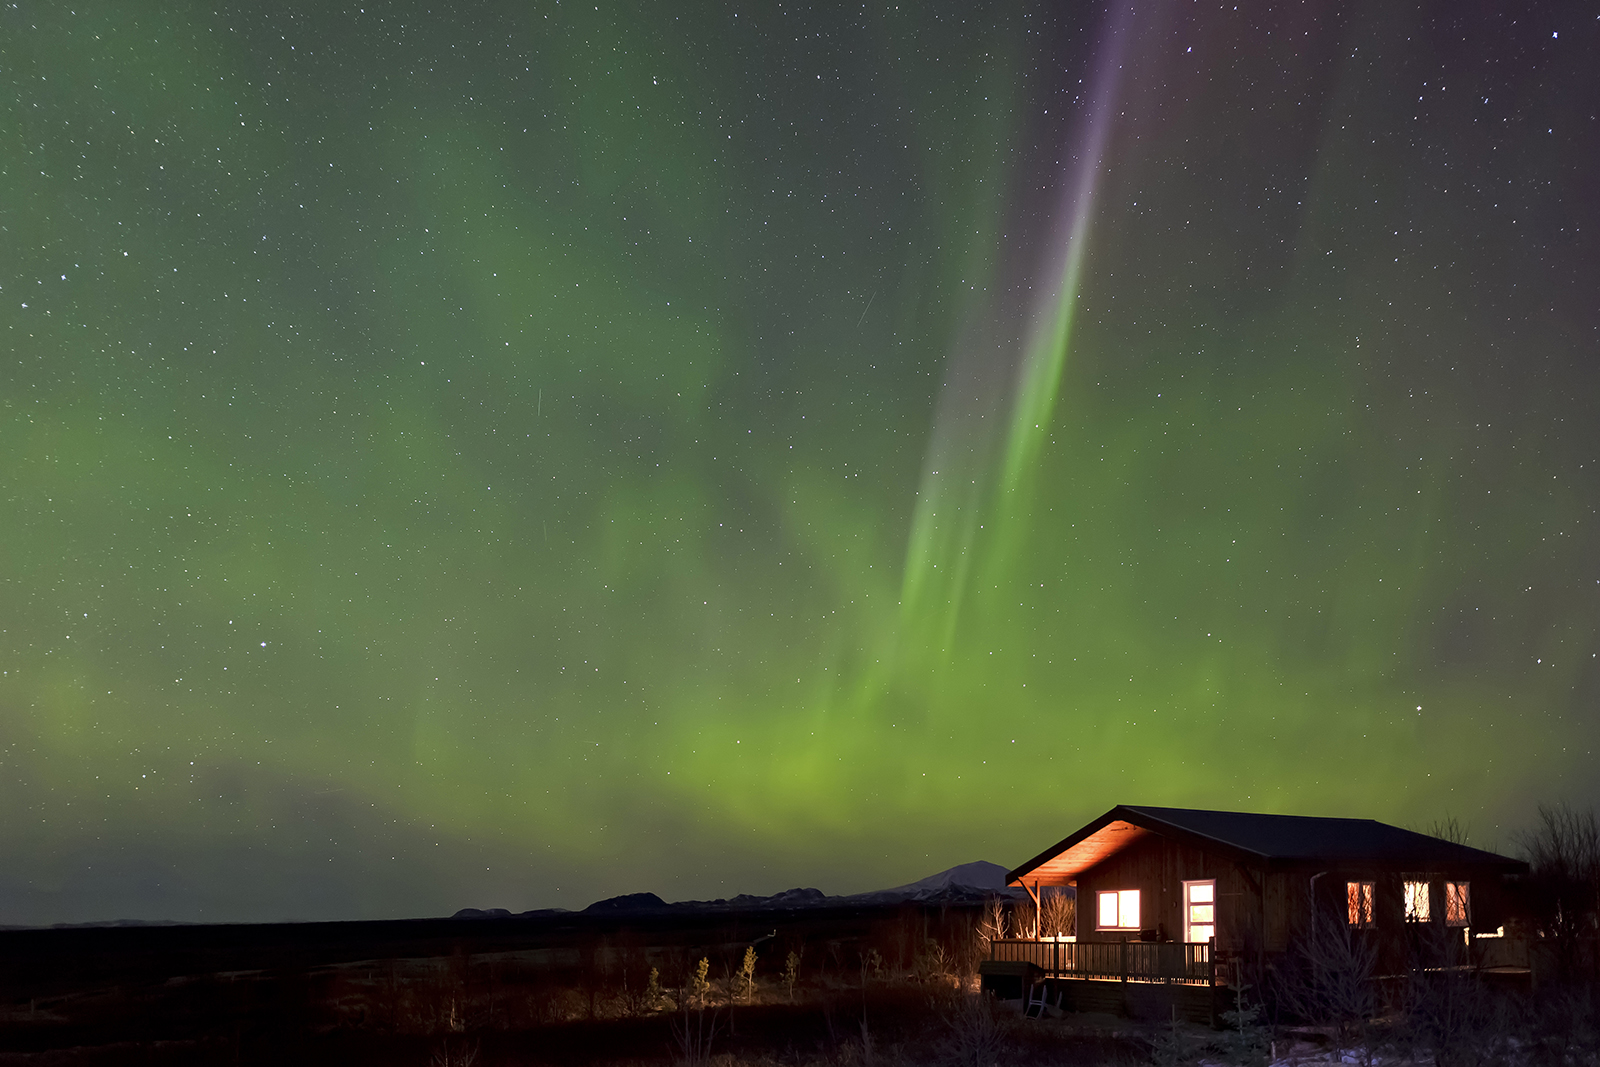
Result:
[{"x": 878, "y": 984}]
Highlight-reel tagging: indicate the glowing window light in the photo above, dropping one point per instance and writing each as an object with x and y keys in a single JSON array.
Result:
[
  {"x": 1358, "y": 896},
  {"x": 1417, "y": 902},
  {"x": 1457, "y": 903},
  {"x": 1200, "y": 911},
  {"x": 1118, "y": 909}
]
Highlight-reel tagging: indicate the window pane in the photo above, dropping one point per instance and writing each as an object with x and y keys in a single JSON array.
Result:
[
  {"x": 1202, "y": 933},
  {"x": 1108, "y": 909},
  {"x": 1203, "y": 893},
  {"x": 1128, "y": 908},
  {"x": 1456, "y": 903},
  {"x": 1358, "y": 896},
  {"x": 1417, "y": 901},
  {"x": 1200, "y": 913}
]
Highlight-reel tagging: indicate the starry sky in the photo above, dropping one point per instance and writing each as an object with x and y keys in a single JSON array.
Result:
[{"x": 510, "y": 454}]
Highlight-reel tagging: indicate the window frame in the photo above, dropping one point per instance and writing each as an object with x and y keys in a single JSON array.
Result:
[
  {"x": 1361, "y": 896},
  {"x": 1458, "y": 894},
  {"x": 1119, "y": 895},
  {"x": 1188, "y": 905}
]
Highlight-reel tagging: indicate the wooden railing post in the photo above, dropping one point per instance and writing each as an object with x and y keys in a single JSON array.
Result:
[
  {"x": 1124, "y": 955},
  {"x": 1211, "y": 976}
]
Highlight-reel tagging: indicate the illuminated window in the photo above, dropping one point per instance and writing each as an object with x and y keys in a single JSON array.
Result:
[
  {"x": 1200, "y": 911},
  {"x": 1359, "y": 896},
  {"x": 1118, "y": 910},
  {"x": 1417, "y": 902},
  {"x": 1457, "y": 903}
]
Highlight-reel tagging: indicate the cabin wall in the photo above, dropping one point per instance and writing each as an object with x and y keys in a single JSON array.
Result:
[
  {"x": 1259, "y": 909},
  {"x": 1488, "y": 897},
  {"x": 1157, "y": 867},
  {"x": 1281, "y": 912}
]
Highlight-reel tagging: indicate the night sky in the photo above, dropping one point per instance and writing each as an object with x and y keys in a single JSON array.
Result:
[{"x": 506, "y": 455}]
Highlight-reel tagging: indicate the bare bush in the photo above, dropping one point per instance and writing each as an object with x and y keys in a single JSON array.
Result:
[
  {"x": 934, "y": 963},
  {"x": 1058, "y": 911},
  {"x": 1453, "y": 1019},
  {"x": 976, "y": 1038},
  {"x": 1562, "y": 1026},
  {"x": 1563, "y": 885},
  {"x": 457, "y": 1052},
  {"x": 993, "y": 925}
]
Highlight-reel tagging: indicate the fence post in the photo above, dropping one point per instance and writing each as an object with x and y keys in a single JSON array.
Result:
[{"x": 1124, "y": 955}]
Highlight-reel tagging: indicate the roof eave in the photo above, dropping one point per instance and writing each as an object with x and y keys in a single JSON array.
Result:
[
  {"x": 1144, "y": 821},
  {"x": 1087, "y": 830}
]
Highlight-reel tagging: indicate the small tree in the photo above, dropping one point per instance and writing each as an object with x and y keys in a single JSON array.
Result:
[
  {"x": 747, "y": 973},
  {"x": 697, "y": 1029},
  {"x": 654, "y": 995},
  {"x": 1328, "y": 981},
  {"x": 700, "y": 982},
  {"x": 1244, "y": 1038},
  {"x": 791, "y": 973}
]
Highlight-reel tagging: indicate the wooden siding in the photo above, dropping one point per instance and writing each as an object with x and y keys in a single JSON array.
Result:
[
  {"x": 1258, "y": 909},
  {"x": 1158, "y": 868}
]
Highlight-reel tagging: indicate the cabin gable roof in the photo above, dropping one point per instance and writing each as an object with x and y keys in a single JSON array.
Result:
[{"x": 1283, "y": 842}]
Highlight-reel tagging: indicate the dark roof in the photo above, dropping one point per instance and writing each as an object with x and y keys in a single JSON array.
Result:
[{"x": 1279, "y": 841}]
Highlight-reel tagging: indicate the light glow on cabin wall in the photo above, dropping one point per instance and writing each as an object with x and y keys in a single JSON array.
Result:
[{"x": 475, "y": 461}]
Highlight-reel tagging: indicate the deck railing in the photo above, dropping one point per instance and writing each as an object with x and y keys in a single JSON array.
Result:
[{"x": 1190, "y": 963}]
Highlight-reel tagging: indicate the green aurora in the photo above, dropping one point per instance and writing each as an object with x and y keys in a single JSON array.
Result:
[{"x": 510, "y": 458}]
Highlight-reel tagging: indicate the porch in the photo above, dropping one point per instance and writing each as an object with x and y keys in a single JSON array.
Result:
[{"x": 1138, "y": 979}]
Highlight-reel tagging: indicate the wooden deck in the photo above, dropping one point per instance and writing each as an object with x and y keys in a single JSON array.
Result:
[{"x": 1135, "y": 978}]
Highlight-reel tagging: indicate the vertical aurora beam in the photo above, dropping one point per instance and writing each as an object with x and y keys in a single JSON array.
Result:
[
  {"x": 958, "y": 474},
  {"x": 1039, "y": 376}
]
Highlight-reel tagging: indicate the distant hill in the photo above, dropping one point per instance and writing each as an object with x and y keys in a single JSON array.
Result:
[
  {"x": 102, "y": 924},
  {"x": 966, "y": 883},
  {"x": 979, "y": 874}
]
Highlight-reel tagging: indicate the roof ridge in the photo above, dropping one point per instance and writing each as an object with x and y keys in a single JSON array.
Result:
[
  {"x": 1258, "y": 814},
  {"x": 1196, "y": 833}
]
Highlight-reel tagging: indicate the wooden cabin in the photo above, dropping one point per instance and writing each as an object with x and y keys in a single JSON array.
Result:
[{"x": 1178, "y": 895}]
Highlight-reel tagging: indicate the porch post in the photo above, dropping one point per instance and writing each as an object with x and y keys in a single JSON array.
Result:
[{"x": 1211, "y": 976}]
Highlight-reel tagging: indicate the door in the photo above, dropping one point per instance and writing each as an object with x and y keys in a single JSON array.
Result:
[{"x": 1199, "y": 911}]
